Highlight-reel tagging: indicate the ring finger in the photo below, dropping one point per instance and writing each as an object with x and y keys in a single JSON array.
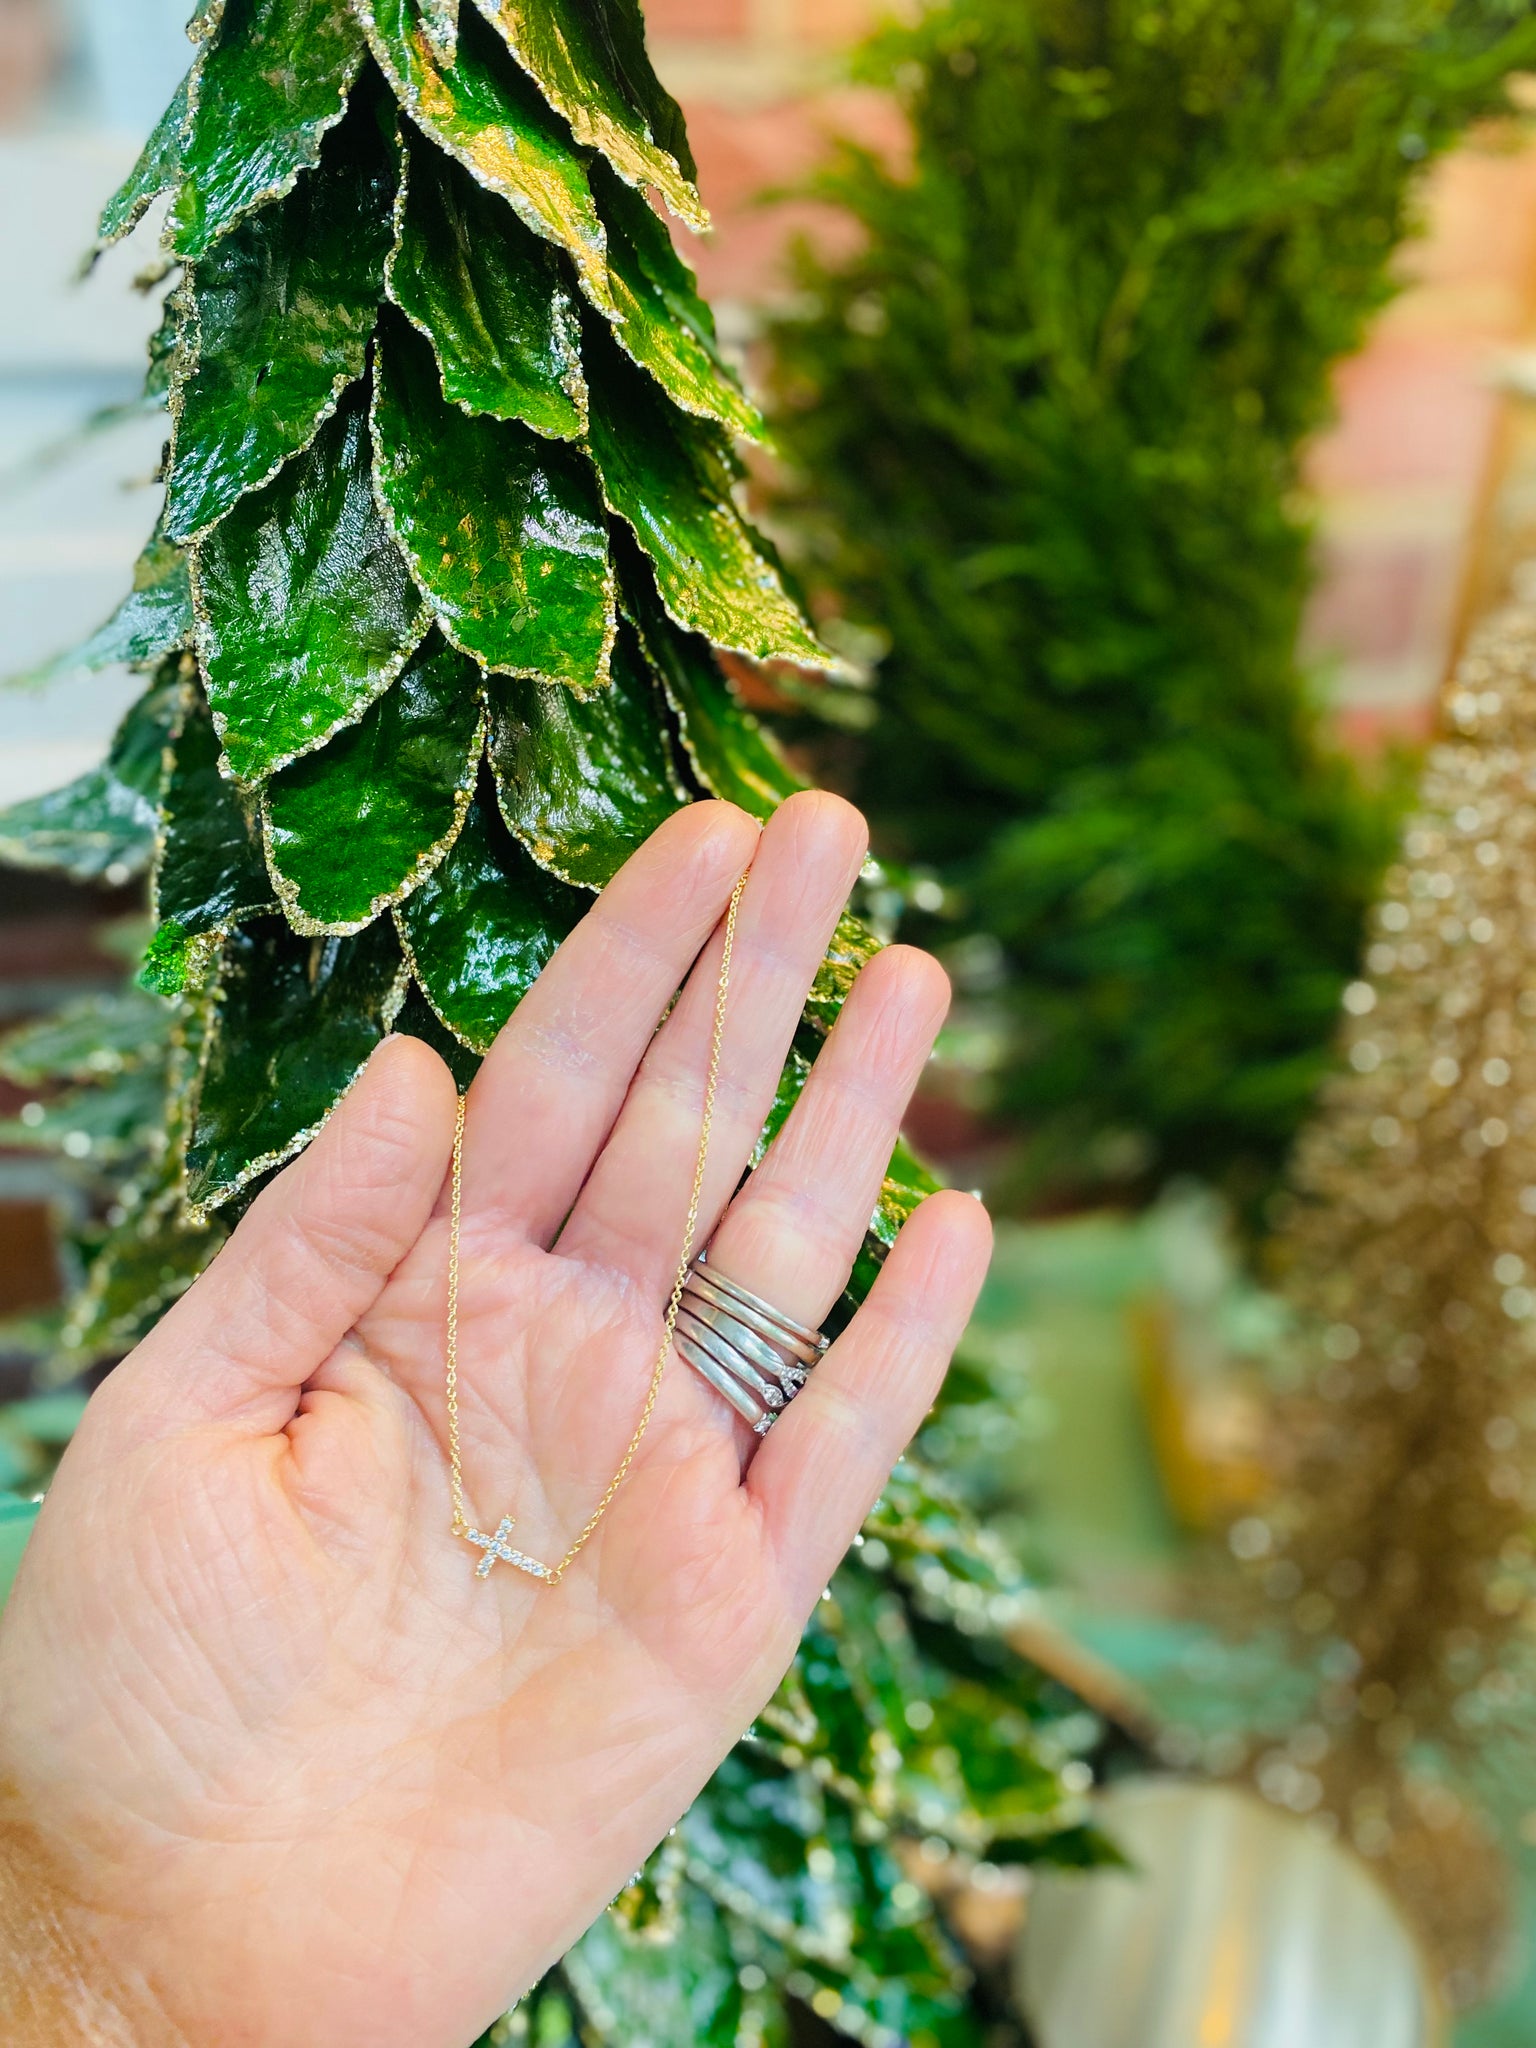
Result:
[{"x": 792, "y": 1234}]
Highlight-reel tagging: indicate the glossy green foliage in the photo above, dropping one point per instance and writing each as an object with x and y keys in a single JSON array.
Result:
[
  {"x": 283, "y": 308},
  {"x": 97, "y": 1036},
  {"x": 271, "y": 79},
  {"x": 664, "y": 324},
  {"x": 485, "y": 114},
  {"x": 355, "y": 827},
  {"x": 292, "y": 1028},
  {"x": 210, "y": 872},
  {"x": 588, "y": 58},
  {"x": 103, "y": 825},
  {"x": 1049, "y": 418},
  {"x": 504, "y": 528},
  {"x": 156, "y": 171},
  {"x": 491, "y": 298},
  {"x": 481, "y": 926},
  {"x": 671, "y": 477},
  {"x": 731, "y": 754},
  {"x": 582, "y": 781},
  {"x": 153, "y": 619},
  {"x": 306, "y": 610}
]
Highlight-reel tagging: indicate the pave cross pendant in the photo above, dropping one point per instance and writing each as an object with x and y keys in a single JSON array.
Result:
[{"x": 497, "y": 1547}]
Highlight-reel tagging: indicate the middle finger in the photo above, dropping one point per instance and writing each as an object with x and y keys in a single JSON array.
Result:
[{"x": 632, "y": 1211}]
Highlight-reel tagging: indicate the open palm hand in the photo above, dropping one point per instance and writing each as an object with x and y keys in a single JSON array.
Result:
[{"x": 279, "y": 1767}]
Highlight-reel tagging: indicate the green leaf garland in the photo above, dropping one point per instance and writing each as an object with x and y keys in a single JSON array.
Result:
[
  {"x": 583, "y": 781},
  {"x": 490, "y": 297},
  {"x": 306, "y": 610},
  {"x": 274, "y": 78},
  {"x": 504, "y": 528},
  {"x": 588, "y": 58},
  {"x": 280, "y": 314},
  {"x": 292, "y": 1028},
  {"x": 481, "y": 927},
  {"x": 357, "y": 826}
]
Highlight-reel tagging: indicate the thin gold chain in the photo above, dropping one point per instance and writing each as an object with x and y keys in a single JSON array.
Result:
[{"x": 461, "y": 1523}]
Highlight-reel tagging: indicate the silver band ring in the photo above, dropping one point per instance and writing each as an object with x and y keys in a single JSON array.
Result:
[
  {"x": 753, "y": 1354},
  {"x": 755, "y": 1302},
  {"x": 705, "y": 1286}
]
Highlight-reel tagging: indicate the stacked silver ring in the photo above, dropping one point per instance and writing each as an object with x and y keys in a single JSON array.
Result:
[{"x": 749, "y": 1351}]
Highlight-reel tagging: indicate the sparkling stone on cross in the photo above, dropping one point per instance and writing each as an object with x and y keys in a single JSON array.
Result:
[{"x": 497, "y": 1548}]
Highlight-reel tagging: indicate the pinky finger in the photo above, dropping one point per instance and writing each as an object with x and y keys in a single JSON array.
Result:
[{"x": 823, "y": 1465}]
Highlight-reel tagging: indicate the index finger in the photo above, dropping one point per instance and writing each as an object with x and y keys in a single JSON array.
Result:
[{"x": 553, "y": 1083}]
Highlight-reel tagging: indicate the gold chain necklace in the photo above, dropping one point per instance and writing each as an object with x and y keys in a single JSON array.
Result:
[{"x": 497, "y": 1548}]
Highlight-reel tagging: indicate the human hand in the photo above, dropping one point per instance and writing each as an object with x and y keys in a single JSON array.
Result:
[{"x": 276, "y": 1767}]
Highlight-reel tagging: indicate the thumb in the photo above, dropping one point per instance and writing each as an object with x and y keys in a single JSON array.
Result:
[{"x": 308, "y": 1259}]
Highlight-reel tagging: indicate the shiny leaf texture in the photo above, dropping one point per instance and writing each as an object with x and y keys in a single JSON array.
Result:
[
  {"x": 357, "y": 826},
  {"x": 101, "y": 1121},
  {"x": 582, "y": 781},
  {"x": 418, "y": 1019},
  {"x": 153, "y": 619},
  {"x": 306, "y": 610},
  {"x": 148, "y": 1260},
  {"x": 294, "y": 1025},
  {"x": 280, "y": 315},
  {"x": 89, "y": 1039},
  {"x": 486, "y": 113},
  {"x": 588, "y": 58},
  {"x": 503, "y": 528},
  {"x": 682, "y": 1989},
  {"x": 157, "y": 169},
  {"x": 480, "y": 928},
  {"x": 440, "y": 24},
  {"x": 210, "y": 871},
  {"x": 101, "y": 826},
  {"x": 491, "y": 298},
  {"x": 275, "y": 76},
  {"x": 671, "y": 477},
  {"x": 853, "y": 946},
  {"x": 731, "y": 754},
  {"x": 665, "y": 325}
]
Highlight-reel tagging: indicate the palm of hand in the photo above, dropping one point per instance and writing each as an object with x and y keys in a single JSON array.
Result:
[{"x": 307, "y": 1776}]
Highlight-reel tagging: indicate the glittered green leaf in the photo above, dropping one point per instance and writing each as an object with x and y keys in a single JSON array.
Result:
[
  {"x": 102, "y": 826},
  {"x": 294, "y": 1025},
  {"x": 149, "y": 1259},
  {"x": 154, "y": 618},
  {"x": 418, "y": 1019},
  {"x": 357, "y": 826},
  {"x": 682, "y": 1989},
  {"x": 306, "y": 610},
  {"x": 731, "y": 754},
  {"x": 582, "y": 781},
  {"x": 101, "y": 1121},
  {"x": 503, "y": 528},
  {"x": 440, "y": 23},
  {"x": 486, "y": 113},
  {"x": 96, "y": 1036},
  {"x": 665, "y": 325},
  {"x": 157, "y": 170},
  {"x": 275, "y": 77},
  {"x": 852, "y": 947},
  {"x": 491, "y": 298},
  {"x": 280, "y": 315},
  {"x": 671, "y": 477},
  {"x": 482, "y": 926},
  {"x": 210, "y": 872},
  {"x": 588, "y": 58}
]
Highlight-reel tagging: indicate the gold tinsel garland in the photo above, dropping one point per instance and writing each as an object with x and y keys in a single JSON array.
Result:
[{"x": 1400, "y": 1547}]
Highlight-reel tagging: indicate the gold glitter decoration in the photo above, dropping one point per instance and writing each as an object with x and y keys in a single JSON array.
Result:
[{"x": 1400, "y": 1547}]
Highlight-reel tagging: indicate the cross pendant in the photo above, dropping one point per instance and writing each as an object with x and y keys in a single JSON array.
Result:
[{"x": 497, "y": 1548}]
